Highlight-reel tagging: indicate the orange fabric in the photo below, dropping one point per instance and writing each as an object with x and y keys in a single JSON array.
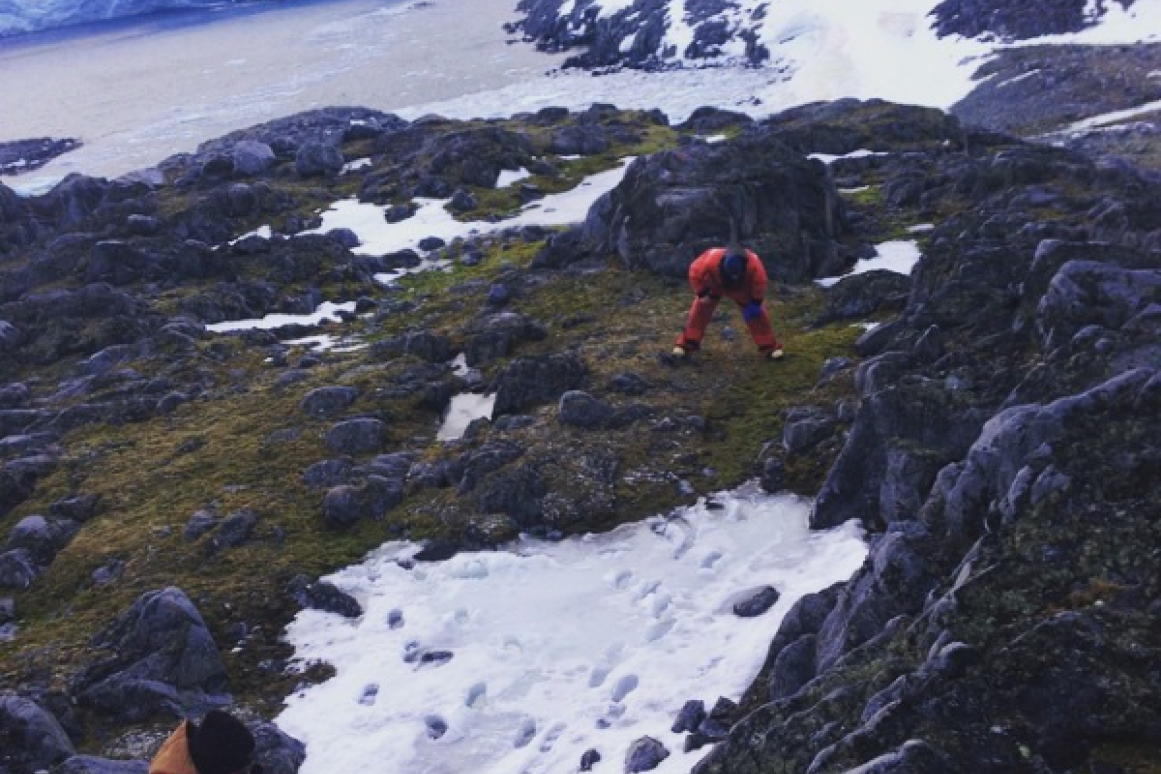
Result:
[
  {"x": 706, "y": 280},
  {"x": 705, "y": 274},
  {"x": 173, "y": 757}
]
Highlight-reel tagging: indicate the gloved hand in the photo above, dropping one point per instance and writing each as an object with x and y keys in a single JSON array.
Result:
[{"x": 752, "y": 310}]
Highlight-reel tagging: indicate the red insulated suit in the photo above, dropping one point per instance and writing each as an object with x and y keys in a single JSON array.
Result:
[{"x": 705, "y": 277}]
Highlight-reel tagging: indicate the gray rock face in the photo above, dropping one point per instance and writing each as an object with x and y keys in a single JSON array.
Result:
[
  {"x": 278, "y": 752},
  {"x": 200, "y": 523},
  {"x": 16, "y": 395},
  {"x": 635, "y": 36},
  {"x": 357, "y": 436},
  {"x": 88, "y": 764},
  {"x": 326, "y": 402},
  {"x": 41, "y": 537},
  {"x": 673, "y": 205},
  {"x": 324, "y": 595},
  {"x": 645, "y": 754},
  {"x": 252, "y": 158},
  {"x": 904, "y": 415},
  {"x": 757, "y": 603},
  {"x": 1084, "y": 293},
  {"x": 498, "y": 335},
  {"x": 17, "y": 569},
  {"x": 860, "y": 295},
  {"x": 1007, "y": 444},
  {"x": 33, "y": 739},
  {"x": 10, "y": 336},
  {"x": 235, "y": 530},
  {"x": 327, "y": 473},
  {"x": 528, "y": 381},
  {"x": 164, "y": 660},
  {"x": 346, "y": 504},
  {"x": 579, "y": 409},
  {"x": 116, "y": 262},
  {"x": 428, "y": 346},
  {"x": 318, "y": 159},
  {"x": 972, "y": 18}
]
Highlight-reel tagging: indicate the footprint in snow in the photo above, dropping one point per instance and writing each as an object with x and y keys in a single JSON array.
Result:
[
  {"x": 550, "y": 738},
  {"x": 476, "y": 695},
  {"x": 370, "y": 694},
  {"x": 525, "y": 733},
  {"x": 625, "y": 686},
  {"x": 436, "y": 726}
]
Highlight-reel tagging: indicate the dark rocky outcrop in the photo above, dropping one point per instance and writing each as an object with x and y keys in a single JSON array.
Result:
[
  {"x": 974, "y": 18},
  {"x": 324, "y": 595},
  {"x": 633, "y": 36},
  {"x": 673, "y": 205},
  {"x": 20, "y": 156},
  {"x": 999, "y": 423},
  {"x": 163, "y": 662}
]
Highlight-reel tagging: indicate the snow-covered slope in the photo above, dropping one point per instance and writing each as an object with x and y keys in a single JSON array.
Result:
[
  {"x": 21, "y": 16},
  {"x": 659, "y": 34}
]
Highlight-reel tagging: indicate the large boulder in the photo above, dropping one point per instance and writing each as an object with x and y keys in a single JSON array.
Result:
[
  {"x": 673, "y": 205},
  {"x": 329, "y": 401},
  {"x": 528, "y": 381},
  {"x": 494, "y": 336},
  {"x": 252, "y": 158},
  {"x": 357, "y": 436},
  {"x": 318, "y": 159},
  {"x": 163, "y": 661},
  {"x": 346, "y": 504},
  {"x": 30, "y": 737}
]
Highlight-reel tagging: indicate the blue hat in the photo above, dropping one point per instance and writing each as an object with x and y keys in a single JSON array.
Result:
[{"x": 733, "y": 267}]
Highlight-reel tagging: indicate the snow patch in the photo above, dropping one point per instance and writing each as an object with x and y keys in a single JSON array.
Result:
[
  {"x": 522, "y": 659},
  {"x": 898, "y": 256},
  {"x": 326, "y": 311}
]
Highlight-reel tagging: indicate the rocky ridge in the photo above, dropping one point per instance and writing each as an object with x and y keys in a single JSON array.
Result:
[{"x": 995, "y": 430}]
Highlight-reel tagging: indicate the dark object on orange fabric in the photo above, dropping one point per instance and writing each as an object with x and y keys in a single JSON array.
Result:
[
  {"x": 746, "y": 288},
  {"x": 221, "y": 744}
]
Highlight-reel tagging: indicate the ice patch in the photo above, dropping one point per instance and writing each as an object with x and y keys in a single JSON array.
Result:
[
  {"x": 326, "y": 311},
  {"x": 898, "y": 256},
  {"x": 830, "y": 158},
  {"x": 509, "y": 176},
  {"x": 462, "y": 411}
]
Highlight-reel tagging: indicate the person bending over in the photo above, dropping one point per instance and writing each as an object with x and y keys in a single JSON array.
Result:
[{"x": 737, "y": 274}]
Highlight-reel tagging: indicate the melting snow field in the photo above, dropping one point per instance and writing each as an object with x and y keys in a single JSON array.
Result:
[
  {"x": 378, "y": 237},
  {"x": 522, "y": 660}
]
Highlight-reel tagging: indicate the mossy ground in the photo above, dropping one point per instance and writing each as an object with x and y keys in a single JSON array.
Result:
[
  {"x": 219, "y": 452},
  {"x": 243, "y": 443}
]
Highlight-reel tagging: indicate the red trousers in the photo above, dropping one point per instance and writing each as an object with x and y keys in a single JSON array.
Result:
[{"x": 702, "y": 312}]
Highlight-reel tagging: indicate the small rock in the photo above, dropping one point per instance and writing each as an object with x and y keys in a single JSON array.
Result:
[
  {"x": 645, "y": 754},
  {"x": 757, "y": 604}
]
